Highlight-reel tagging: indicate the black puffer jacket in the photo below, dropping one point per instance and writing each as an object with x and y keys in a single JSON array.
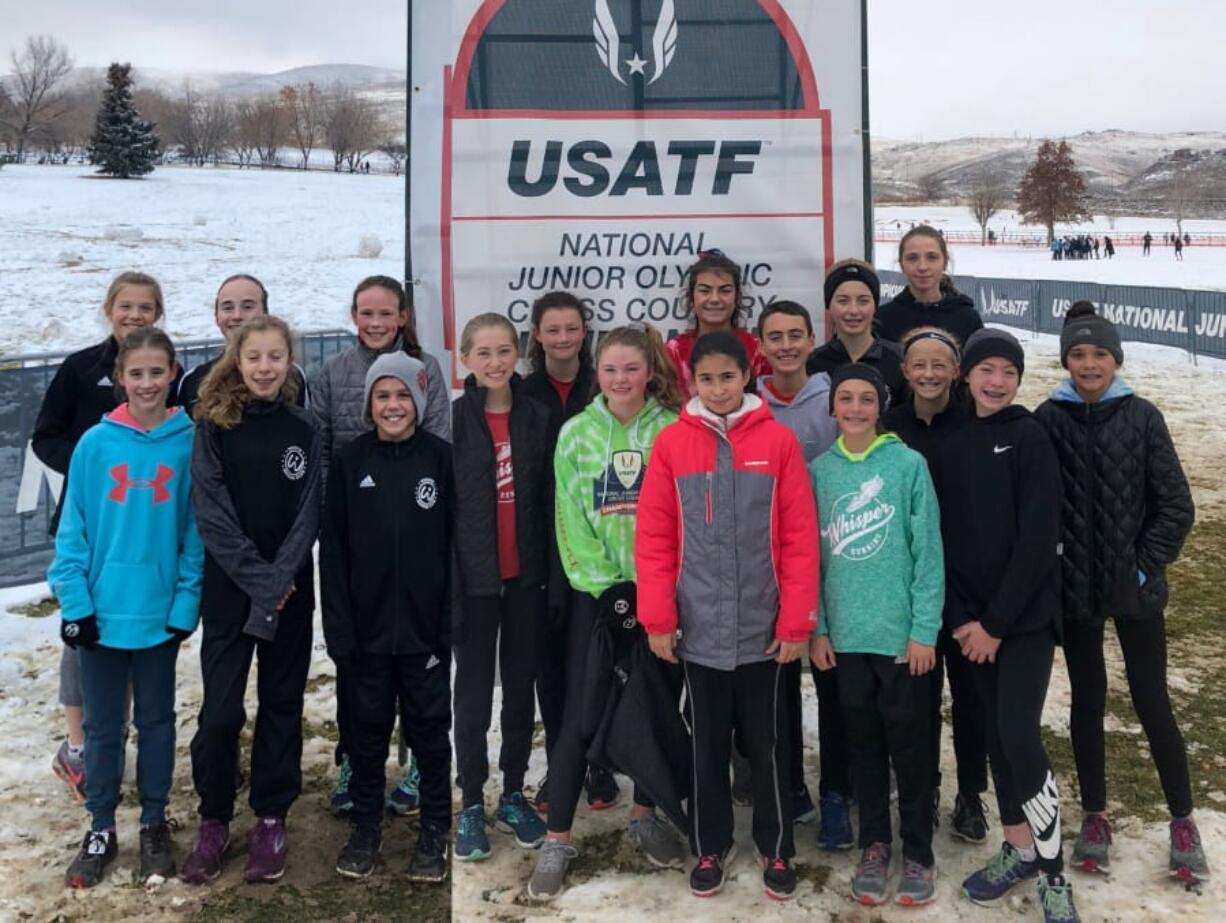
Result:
[
  {"x": 476, "y": 525},
  {"x": 1127, "y": 506}
]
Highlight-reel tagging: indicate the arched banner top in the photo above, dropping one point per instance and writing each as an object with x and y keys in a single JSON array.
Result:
[{"x": 633, "y": 59}]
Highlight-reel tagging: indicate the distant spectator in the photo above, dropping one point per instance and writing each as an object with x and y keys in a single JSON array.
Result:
[
  {"x": 1178, "y": 247},
  {"x": 1146, "y": 241},
  {"x": 1108, "y": 247}
]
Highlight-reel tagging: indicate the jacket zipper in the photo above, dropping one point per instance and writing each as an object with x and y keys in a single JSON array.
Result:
[
  {"x": 709, "y": 476},
  {"x": 1092, "y": 496},
  {"x": 396, "y": 549}
]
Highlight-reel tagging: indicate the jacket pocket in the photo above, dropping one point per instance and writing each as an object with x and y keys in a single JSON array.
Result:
[{"x": 132, "y": 590}]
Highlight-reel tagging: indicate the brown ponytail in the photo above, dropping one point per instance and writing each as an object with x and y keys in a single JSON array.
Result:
[{"x": 662, "y": 385}]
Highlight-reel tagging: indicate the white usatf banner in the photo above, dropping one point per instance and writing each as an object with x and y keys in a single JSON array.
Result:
[{"x": 598, "y": 146}]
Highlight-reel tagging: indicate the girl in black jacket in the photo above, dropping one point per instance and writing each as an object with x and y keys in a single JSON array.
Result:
[
  {"x": 932, "y": 409},
  {"x": 255, "y": 489},
  {"x": 930, "y": 297},
  {"x": 385, "y": 561},
  {"x": 82, "y": 391},
  {"x": 503, "y": 469},
  {"x": 563, "y": 379},
  {"x": 998, "y": 483},
  {"x": 1127, "y": 510}
]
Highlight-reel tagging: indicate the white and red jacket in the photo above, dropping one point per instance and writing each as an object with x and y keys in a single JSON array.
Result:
[{"x": 727, "y": 544}]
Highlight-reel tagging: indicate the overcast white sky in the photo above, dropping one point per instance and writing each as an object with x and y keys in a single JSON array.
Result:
[{"x": 939, "y": 68}]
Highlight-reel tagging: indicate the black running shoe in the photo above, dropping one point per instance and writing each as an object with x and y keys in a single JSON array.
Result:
[
  {"x": 707, "y": 878},
  {"x": 157, "y": 858},
  {"x": 429, "y": 862},
  {"x": 970, "y": 823},
  {"x": 357, "y": 859},
  {"x": 602, "y": 789},
  {"x": 98, "y": 850},
  {"x": 778, "y": 878}
]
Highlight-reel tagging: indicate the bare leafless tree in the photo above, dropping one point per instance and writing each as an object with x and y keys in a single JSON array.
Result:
[
  {"x": 1183, "y": 194},
  {"x": 989, "y": 193},
  {"x": 37, "y": 71},
  {"x": 396, "y": 152},
  {"x": 200, "y": 126},
  {"x": 272, "y": 129},
  {"x": 931, "y": 187},
  {"x": 304, "y": 106},
  {"x": 351, "y": 127},
  {"x": 245, "y": 132}
]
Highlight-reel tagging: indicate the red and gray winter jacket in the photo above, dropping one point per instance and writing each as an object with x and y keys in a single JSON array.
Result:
[{"x": 726, "y": 545}]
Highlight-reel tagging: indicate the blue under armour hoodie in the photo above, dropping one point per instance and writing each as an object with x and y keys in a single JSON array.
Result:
[{"x": 127, "y": 549}]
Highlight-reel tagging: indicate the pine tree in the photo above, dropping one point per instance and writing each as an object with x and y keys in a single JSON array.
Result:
[
  {"x": 1052, "y": 190},
  {"x": 123, "y": 144}
]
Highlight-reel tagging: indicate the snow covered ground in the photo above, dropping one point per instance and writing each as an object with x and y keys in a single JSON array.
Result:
[
  {"x": 1202, "y": 267},
  {"x": 64, "y": 233},
  {"x": 40, "y": 827}
]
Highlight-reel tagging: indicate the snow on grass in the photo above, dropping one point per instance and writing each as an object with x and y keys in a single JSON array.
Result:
[{"x": 64, "y": 234}]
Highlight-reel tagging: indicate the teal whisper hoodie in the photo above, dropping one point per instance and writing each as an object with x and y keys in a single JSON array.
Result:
[
  {"x": 127, "y": 549},
  {"x": 883, "y": 569}
]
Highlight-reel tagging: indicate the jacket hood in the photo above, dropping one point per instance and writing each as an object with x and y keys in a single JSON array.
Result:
[
  {"x": 1066, "y": 391},
  {"x": 597, "y": 415},
  {"x": 949, "y": 300},
  {"x": 175, "y": 423},
  {"x": 816, "y": 388},
  {"x": 885, "y": 439},
  {"x": 1005, "y": 415},
  {"x": 752, "y": 411}
]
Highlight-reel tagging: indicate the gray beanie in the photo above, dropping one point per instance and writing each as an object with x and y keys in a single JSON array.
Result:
[
  {"x": 400, "y": 365},
  {"x": 1082, "y": 324},
  {"x": 992, "y": 343}
]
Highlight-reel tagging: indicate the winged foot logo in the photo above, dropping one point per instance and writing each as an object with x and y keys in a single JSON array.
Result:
[
  {"x": 608, "y": 43},
  {"x": 859, "y": 523}
]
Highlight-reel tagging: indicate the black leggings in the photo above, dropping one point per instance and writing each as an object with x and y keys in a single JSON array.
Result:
[
  {"x": 1013, "y": 690},
  {"x": 1144, "y": 645},
  {"x": 568, "y": 760},
  {"x": 970, "y": 736}
]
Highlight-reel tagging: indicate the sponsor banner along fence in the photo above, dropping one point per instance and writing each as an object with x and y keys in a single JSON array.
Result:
[
  {"x": 1191, "y": 320},
  {"x": 28, "y": 490},
  {"x": 589, "y": 145}
]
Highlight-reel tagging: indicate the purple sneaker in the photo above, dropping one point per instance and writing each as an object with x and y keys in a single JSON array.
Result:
[
  {"x": 267, "y": 850},
  {"x": 204, "y": 862}
]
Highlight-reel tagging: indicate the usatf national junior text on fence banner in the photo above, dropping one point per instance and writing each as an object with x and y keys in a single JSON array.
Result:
[{"x": 598, "y": 145}]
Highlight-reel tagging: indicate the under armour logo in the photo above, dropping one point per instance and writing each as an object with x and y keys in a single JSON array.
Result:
[{"x": 124, "y": 483}]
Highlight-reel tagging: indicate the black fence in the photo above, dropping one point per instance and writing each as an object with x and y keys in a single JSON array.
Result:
[
  {"x": 25, "y": 546},
  {"x": 1191, "y": 320}
]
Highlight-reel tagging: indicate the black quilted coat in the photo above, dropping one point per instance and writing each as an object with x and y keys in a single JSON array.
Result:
[{"x": 1127, "y": 506}]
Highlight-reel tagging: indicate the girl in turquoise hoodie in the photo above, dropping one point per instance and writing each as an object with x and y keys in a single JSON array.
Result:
[
  {"x": 127, "y": 573},
  {"x": 882, "y": 592}
]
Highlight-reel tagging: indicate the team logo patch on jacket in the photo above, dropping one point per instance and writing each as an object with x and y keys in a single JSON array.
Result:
[
  {"x": 618, "y": 490},
  {"x": 426, "y": 493},
  {"x": 859, "y": 523},
  {"x": 293, "y": 463}
]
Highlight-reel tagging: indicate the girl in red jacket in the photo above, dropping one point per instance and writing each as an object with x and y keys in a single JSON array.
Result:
[
  {"x": 713, "y": 297},
  {"x": 727, "y": 563}
]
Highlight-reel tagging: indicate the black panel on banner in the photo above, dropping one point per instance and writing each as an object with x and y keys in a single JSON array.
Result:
[
  {"x": 1209, "y": 309},
  {"x": 687, "y": 54}
]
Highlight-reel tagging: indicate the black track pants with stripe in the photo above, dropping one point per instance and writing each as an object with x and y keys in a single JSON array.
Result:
[{"x": 749, "y": 700}]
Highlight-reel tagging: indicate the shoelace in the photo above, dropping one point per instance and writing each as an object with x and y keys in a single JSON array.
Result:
[
  {"x": 778, "y": 865},
  {"x": 913, "y": 869},
  {"x": 472, "y": 822},
  {"x": 1002, "y": 863},
  {"x": 159, "y": 838},
  {"x": 411, "y": 782},
  {"x": 211, "y": 838},
  {"x": 1184, "y": 836},
  {"x": 516, "y": 809},
  {"x": 554, "y": 856},
  {"x": 266, "y": 836},
  {"x": 873, "y": 863},
  {"x": 708, "y": 862},
  {"x": 1096, "y": 830},
  {"x": 1057, "y": 899},
  {"x": 346, "y": 773}
]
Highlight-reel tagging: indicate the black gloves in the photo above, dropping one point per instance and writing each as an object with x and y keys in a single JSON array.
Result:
[
  {"x": 81, "y": 633},
  {"x": 617, "y": 606},
  {"x": 178, "y": 635}
]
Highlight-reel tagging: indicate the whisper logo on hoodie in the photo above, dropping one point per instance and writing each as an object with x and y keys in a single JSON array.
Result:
[{"x": 859, "y": 525}]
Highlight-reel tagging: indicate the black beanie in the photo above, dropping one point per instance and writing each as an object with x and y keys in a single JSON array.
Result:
[
  {"x": 853, "y": 272},
  {"x": 1083, "y": 325},
  {"x": 991, "y": 343},
  {"x": 864, "y": 372}
]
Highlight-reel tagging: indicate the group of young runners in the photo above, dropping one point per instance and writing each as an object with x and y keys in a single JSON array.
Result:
[{"x": 732, "y": 502}]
